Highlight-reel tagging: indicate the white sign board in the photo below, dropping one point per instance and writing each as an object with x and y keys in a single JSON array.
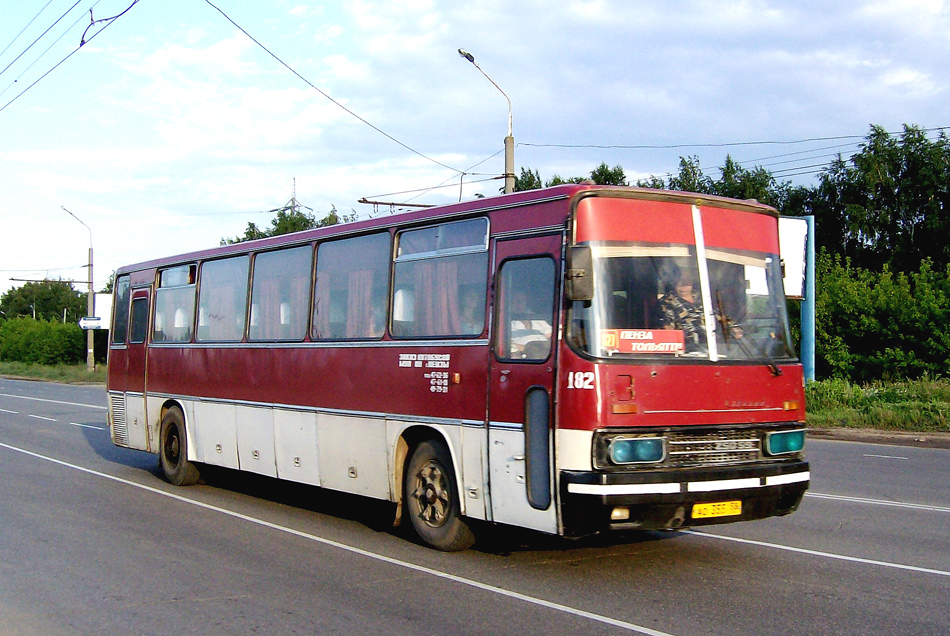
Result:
[
  {"x": 104, "y": 309},
  {"x": 792, "y": 234},
  {"x": 91, "y": 322}
]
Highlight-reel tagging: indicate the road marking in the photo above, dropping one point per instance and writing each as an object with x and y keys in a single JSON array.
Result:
[
  {"x": 818, "y": 553},
  {"x": 36, "y": 399},
  {"x": 878, "y": 502},
  {"x": 40, "y": 417},
  {"x": 886, "y": 456},
  {"x": 566, "y": 609},
  {"x": 97, "y": 428},
  {"x": 6, "y": 411}
]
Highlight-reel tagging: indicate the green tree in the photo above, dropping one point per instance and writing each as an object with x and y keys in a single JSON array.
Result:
[
  {"x": 559, "y": 180},
  {"x": 527, "y": 181},
  {"x": 881, "y": 325},
  {"x": 44, "y": 300},
  {"x": 889, "y": 203},
  {"x": 40, "y": 341},
  {"x": 690, "y": 177},
  {"x": 654, "y": 182},
  {"x": 605, "y": 175},
  {"x": 290, "y": 218}
]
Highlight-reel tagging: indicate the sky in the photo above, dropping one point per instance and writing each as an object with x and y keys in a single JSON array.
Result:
[{"x": 170, "y": 128}]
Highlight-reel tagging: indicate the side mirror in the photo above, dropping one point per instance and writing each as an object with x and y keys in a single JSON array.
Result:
[{"x": 579, "y": 283}]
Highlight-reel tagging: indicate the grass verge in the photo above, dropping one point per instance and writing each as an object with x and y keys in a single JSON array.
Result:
[
  {"x": 67, "y": 373},
  {"x": 913, "y": 405}
]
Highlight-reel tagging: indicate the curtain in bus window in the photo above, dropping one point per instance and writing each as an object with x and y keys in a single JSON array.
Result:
[
  {"x": 351, "y": 287},
  {"x": 436, "y": 283},
  {"x": 359, "y": 310},
  {"x": 279, "y": 298}
]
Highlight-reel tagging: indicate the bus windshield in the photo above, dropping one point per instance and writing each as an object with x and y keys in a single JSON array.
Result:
[{"x": 665, "y": 301}]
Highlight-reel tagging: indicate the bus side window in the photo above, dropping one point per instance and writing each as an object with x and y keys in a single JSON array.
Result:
[
  {"x": 280, "y": 297},
  {"x": 526, "y": 308},
  {"x": 440, "y": 280},
  {"x": 222, "y": 300},
  {"x": 175, "y": 304},
  {"x": 139, "y": 322},
  {"x": 122, "y": 295},
  {"x": 351, "y": 288}
]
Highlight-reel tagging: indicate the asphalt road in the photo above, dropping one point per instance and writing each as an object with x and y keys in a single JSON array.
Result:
[{"x": 93, "y": 541}]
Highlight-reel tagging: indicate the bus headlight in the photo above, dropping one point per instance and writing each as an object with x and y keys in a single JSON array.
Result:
[
  {"x": 785, "y": 442},
  {"x": 636, "y": 450}
]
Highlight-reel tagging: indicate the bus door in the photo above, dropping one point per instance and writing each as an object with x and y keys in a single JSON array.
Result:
[
  {"x": 521, "y": 383},
  {"x": 135, "y": 372}
]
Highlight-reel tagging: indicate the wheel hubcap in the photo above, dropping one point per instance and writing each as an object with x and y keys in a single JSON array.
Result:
[
  {"x": 432, "y": 494},
  {"x": 172, "y": 449}
]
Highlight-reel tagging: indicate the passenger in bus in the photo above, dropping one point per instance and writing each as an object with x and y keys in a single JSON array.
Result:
[
  {"x": 472, "y": 313},
  {"x": 679, "y": 309}
]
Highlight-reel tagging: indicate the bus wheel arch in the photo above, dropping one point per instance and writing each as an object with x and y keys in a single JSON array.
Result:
[
  {"x": 431, "y": 496},
  {"x": 173, "y": 447},
  {"x": 406, "y": 443}
]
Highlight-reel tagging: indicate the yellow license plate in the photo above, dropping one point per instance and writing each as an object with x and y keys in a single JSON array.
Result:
[{"x": 717, "y": 509}]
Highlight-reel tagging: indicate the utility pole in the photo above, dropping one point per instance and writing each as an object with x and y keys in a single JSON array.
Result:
[
  {"x": 90, "y": 303},
  {"x": 509, "y": 140}
]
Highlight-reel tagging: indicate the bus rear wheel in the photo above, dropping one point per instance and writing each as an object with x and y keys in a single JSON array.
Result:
[
  {"x": 432, "y": 500},
  {"x": 173, "y": 450}
]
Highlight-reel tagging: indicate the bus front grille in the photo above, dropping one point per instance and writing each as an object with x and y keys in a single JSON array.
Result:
[
  {"x": 120, "y": 427},
  {"x": 687, "y": 448}
]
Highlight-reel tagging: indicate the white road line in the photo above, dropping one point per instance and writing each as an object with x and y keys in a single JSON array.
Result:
[
  {"x": 886, "y": 456},
  {"x": 98, "y": 428},
  {"x": 6, "y": 411},
  {"x": 878, "y": 502},
  {"x": 606, "y": 620},
  {"x": 818, "y": 553},
  {"x": 40, "y": 417},
  {"x": 36, "y": 399}
]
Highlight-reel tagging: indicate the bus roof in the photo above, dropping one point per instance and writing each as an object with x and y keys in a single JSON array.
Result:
[{"x": 475, "y": 206}]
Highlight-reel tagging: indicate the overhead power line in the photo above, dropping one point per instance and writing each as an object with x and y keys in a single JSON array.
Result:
[
  {"x": 39, "y": 37},
  {"x": 712, "y": 145},
  {"x": 335, "y": 102},
  {"x": 17, "y": 36},
  {"x": 43, "y": 54},
  {"x": 92, "y": 22}
]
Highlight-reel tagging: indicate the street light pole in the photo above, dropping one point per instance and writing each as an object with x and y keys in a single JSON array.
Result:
[
  {"x": 509, "y": 140},
  {"x": 90, "y": 303}
]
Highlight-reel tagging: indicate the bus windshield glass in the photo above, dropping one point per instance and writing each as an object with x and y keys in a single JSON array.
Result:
[{"x": 673, "y": 300}]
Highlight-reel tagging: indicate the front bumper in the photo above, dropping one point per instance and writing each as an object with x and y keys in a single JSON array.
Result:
[{"x": 658, "y": 500}]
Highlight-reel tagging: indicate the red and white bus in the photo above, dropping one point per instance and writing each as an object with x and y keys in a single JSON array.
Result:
[{"x": 572, "y": 360}]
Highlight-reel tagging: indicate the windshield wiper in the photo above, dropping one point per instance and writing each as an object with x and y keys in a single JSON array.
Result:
[{"x": 728, "y": 324}]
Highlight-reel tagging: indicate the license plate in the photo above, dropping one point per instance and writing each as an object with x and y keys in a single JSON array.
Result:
[{"x": 717, "y": 509}]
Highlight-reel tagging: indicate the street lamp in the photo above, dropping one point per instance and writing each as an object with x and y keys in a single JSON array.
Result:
[
  {"x": 90, "y": 302},
  {"x": 509, "y": 140}
]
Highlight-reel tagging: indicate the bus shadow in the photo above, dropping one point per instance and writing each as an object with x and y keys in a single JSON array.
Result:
[
  {"x": 374, "y": 514},
  {"x": 500, "y": 540},
  {"x": 101, "y": 444}
]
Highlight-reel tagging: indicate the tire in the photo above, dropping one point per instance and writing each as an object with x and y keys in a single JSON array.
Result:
[
  {"x": 173, "y": 450},
  {"x": 432, "y": 500}
]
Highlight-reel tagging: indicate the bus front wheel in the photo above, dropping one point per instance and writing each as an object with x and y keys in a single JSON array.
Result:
[
  {"x": 173, "y": 451},
  {"x": 432, "y": 501}
]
